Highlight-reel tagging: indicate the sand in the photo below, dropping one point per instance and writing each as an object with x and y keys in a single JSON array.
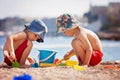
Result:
[{"x": 98, "y": 72}]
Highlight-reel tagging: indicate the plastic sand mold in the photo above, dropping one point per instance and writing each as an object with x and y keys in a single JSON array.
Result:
[
  {"x": 71, "y": 63},
  {"x": 23, "y": 77},
  {"x": 78, "y": 67},
  {"x": 112, "y": 67},
  {"x": 47, "y": 64},
  {"x": 35, "y": 65},
  {"x": 15, "y": 65},
  {"x": 74, "y": 64}
]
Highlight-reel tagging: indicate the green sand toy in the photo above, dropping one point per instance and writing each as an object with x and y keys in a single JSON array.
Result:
[{"x": 15, "y": 65}]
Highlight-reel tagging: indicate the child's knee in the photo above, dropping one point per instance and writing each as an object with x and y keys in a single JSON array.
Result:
[{"x": 75, "y": 42}]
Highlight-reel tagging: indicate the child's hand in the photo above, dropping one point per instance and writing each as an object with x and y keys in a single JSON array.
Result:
[
  {"x": 6, "y": 54},
  {"x": 31, "y": 60},
  {"x": 66, "y": 57},
  {"x": 69, "y": 55},
  {"x": 12, "y": 57}
]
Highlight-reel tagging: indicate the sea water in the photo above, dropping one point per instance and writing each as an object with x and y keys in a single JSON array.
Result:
[{"x": 111, "y": 49}]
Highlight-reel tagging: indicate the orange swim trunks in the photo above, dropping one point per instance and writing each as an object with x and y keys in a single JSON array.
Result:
[{"x": 96, "y": 58}]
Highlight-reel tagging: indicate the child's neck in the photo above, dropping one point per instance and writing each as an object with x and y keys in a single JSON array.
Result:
[
  {"x": 77, "y": 32},
  {"x": 26, "y": 32}
]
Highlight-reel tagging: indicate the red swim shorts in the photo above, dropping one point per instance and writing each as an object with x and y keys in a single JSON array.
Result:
[
  {"x": 95, "y": 58},
  {"x": 18, "y": 52}
]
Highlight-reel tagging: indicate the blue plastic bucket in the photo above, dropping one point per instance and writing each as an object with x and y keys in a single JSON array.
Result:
[{"x": 47, "y": 56}]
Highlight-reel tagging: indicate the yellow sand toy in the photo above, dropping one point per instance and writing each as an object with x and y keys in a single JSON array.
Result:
[
  {"x": 67, "y": 57},
  {"x": 47, "y": 64},
  {"x": 71, "y": 63},
  {"x": 74, "y": 64},
  {"x": 77, "y": 67}
]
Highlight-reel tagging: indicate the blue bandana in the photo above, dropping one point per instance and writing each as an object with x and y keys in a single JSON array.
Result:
[{"x": 38, "y": 27}]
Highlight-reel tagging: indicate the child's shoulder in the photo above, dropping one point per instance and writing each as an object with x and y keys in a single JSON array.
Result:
[{"x": 19, "y": 35}]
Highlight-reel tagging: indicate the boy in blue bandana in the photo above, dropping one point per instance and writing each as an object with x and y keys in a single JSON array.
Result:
[
  {"x": 86, "y": 44},
  {"x": 18, "y": 46}
]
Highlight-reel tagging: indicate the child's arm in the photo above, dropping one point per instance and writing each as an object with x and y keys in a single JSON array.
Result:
[
  {"x": 69, "y": 54},
  {"x": 9, "y": 45},
  {"x": 8, "y": 49}
]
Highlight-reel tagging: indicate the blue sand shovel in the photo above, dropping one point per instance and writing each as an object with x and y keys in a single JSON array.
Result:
[{"x": 23, "y": 77}]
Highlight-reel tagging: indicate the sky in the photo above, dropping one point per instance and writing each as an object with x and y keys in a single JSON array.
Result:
[{"x": 47, "y": 8}]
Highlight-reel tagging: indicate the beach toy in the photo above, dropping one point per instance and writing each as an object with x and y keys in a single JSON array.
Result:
[
  {"x": 62, "y": 64},
  {"x": 47, "y": 64},
  {"x": 35, "y": 65},
  {"x": 112, "y": 67},
  {"x": 46, "y": 56},
  {"x": 15, "y": 65},
  {"x": 78, "y": 67},
  {"x": 71, "y": 63},
  {"x": 59, "y": 61},
  {"x": 109, "y": 66},
  {"x": 56, "y": 60},
  {"x": 23, "y": 77}
]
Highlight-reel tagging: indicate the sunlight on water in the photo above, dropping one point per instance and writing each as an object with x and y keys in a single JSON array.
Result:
[
  {"x": 111, "y": 49},
  {"x": 62, "y": 45}
]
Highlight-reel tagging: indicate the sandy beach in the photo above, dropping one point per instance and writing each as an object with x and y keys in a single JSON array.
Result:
[{"x": 99, "y": 72}]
